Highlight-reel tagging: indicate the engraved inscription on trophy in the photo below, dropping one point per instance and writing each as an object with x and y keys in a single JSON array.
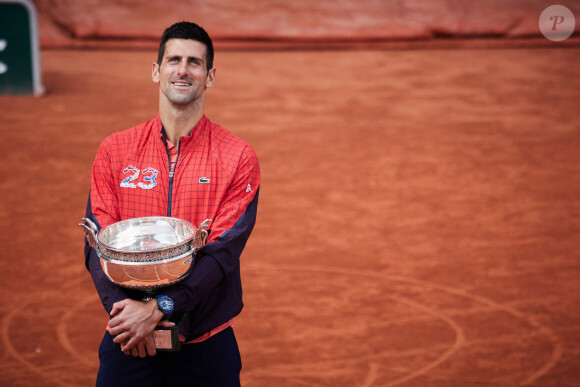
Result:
[{"x": 162, "y": 339}]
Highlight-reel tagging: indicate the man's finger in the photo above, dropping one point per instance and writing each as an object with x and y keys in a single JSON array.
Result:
[
  {"x": 117, "y": 306},
  {"x": 115, "y": 321},
  {"x": 165, "y": 324},
  {"x": 122, "y": 338},
  {"x": 114, "y": 329},
  {"x": 131, "y": 343},
  {"x": 117, "y": 325},
  {"x": 141, "y": 349},
  {"x": 125, "y": 351},
  {"x": 150, "y": 345}
]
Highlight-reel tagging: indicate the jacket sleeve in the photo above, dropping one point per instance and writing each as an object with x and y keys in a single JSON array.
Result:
[
  {"x": 102, "y": 210},
  {"x": 109, "y": 293},
  {"x": 230, "y": 231}
]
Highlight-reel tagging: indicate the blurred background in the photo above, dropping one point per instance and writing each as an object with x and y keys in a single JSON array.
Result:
[{"x": 84, "y": 23}]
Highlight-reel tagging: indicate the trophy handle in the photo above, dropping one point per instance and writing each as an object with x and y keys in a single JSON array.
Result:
[
  {"x": 201, "y": 235},
  {"x": 91, "y": 231}
]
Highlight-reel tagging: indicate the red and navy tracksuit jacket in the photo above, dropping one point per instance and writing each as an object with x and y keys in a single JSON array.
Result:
[{"x": 216, "y": 176}]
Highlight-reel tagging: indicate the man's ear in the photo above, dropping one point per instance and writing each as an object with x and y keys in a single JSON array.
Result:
[
  {"x": 155, "y": 72},
  {"x": 210, "y": 77}
]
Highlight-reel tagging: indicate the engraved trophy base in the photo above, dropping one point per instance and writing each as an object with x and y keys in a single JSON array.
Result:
[{"x": 166, "y": 339}]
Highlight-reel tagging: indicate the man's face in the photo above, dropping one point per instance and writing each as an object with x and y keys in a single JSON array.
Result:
[{"x": 183, "y": 75}]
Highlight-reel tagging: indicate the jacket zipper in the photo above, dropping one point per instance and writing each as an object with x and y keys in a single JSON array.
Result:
[{"x": 171, "y": 172}]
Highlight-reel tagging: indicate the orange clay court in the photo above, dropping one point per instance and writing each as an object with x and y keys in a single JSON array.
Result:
[{"x": 418, "y": 224}]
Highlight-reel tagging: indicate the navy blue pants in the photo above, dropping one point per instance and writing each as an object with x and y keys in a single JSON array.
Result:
[{"x": 215, "y": 362}]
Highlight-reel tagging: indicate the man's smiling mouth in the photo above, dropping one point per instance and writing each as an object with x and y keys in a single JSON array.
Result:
[{"x": 181, "y": 84}]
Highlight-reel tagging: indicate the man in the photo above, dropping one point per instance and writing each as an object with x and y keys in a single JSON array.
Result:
[{"x": 178, "y": 164}]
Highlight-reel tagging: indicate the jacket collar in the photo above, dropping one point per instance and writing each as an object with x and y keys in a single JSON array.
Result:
[{"x": 185, "y": 142}]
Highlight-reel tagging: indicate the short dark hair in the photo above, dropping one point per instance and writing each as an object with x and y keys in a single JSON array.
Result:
[{"x": 186, "y": 30}]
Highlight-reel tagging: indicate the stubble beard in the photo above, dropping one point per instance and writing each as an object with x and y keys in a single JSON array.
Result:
[{"x": 179, "y": 98}]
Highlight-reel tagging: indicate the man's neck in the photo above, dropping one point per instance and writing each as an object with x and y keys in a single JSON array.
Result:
[{"x": 178, "y": 122}]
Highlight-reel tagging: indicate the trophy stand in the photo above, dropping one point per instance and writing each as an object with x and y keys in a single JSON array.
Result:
[{"x": 167, "y": 339}]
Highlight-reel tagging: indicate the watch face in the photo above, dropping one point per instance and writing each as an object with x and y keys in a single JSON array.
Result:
[{"x": 165, "y": 303}]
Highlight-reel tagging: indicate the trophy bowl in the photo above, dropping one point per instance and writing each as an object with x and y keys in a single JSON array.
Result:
[{"x": 147, "y": 253}]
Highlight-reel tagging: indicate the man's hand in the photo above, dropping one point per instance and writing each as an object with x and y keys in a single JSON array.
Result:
[
  {"x": 143, "y": 348},
  {"x": 133, "y": 323}
]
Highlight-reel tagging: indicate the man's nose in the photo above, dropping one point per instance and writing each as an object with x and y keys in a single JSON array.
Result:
[{"x": 182, "y": 69}]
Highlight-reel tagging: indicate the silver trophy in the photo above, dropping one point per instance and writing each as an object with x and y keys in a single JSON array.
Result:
[{"x": 148, "y": 254}]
